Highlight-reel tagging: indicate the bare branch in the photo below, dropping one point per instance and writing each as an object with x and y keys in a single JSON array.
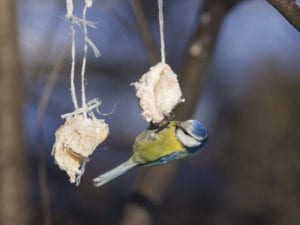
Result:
[
  {"x": 289, "y": 9},
  {"x": 43, "y": 102}
]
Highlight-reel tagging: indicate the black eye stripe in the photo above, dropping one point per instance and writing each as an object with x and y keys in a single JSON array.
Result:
[{"x": 185, "y": 132}]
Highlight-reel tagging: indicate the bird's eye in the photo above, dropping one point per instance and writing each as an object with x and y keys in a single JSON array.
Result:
[
  {"x": 193, "y": 129},
  {"x": 185, "y": 132},
  {"x": 186, "y": 139}
]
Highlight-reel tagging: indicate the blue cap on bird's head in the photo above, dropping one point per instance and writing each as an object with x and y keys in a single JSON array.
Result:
[
  {"x": 197, "y": 132},
  {"x": 194, "y": 128}
]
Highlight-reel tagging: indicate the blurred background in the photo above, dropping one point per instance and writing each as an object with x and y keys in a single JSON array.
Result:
[{"x": 245, "y": 56}]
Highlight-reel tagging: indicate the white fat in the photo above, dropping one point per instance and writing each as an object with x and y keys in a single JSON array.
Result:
[
  {"x": 159, "y": 92},
  {"x": 186, "y": 139},
  {"x": 75, "y": 141}
]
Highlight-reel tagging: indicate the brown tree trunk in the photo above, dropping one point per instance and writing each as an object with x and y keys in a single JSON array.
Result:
[{"x": 13, "y": 187}]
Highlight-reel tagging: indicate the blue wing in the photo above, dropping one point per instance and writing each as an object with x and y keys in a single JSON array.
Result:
[{"x": 168, "y": 158}]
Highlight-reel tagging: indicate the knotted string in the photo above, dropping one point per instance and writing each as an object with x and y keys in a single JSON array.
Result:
[
  {"x": 82, "y": 23},
  {"x": 90, "y": 106}
]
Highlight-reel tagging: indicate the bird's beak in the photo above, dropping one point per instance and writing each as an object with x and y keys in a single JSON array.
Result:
[{"x": 177, "y": 123}]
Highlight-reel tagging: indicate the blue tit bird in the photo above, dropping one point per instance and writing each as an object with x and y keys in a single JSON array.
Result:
[{"x": 153, "y": 147}]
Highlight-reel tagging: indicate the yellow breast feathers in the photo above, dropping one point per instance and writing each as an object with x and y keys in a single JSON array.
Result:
[{"x": 151, "y": 145}]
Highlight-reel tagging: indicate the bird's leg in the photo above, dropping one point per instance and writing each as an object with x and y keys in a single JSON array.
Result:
[{"x": 157, "y": 127}]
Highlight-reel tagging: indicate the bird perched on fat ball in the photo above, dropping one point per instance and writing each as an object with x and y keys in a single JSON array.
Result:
[{"x": 160, "y": 145}]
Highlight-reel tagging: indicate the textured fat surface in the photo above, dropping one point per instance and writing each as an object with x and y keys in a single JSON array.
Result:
[
  {"x": 159, "y": 92},
  {"x": 76, "y": 139}
]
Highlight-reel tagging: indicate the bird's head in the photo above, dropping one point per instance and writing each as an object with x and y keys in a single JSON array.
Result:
[{"x": 192, "y": 134}]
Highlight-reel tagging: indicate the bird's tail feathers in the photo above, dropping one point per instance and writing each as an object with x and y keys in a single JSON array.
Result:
[{"x": 114, "y": 173}]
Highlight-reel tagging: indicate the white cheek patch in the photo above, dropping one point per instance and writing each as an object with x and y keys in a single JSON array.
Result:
[{"x": 186, "y": 140}]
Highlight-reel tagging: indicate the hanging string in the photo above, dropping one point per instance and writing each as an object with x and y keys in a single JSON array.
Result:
[
  {"x": 82, "y": 23},
  {"x": 161, "y": 31},
  {"x": 70, "y": 16},
  {"x": 83, "y": 66},
  {"x": 87, "y": 42}
]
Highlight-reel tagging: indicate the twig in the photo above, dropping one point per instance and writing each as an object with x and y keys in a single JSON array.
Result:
[
  {"x": 50, "y": 84},
  {"x": 154, "y": 182},
  {"x": 147, "y": 36},
  {"x": 289, "y": 9},
  {"x": 42, "y": 174}
]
